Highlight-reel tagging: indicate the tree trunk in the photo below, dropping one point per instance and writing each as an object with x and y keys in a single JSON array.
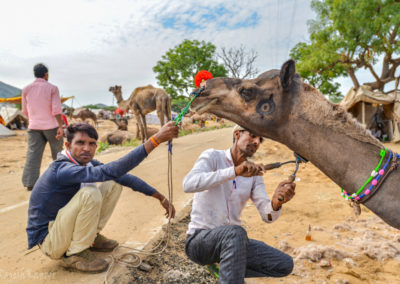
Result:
[{"x": 353, "y": 78}]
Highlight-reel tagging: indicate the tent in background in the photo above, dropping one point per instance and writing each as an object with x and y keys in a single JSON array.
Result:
[
  {"x": 373, "y": 108},
  {"x": 5, "y": 132},
  {"x": 17, "y": 100},
  {"x": 13, "y": 117}
]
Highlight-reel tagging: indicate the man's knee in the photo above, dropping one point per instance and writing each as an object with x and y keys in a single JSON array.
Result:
[
  {"x": 91, "y": 194},
  {"x": 286, "y": 265},
  {"x": 237, "y": 234},
  {"x": 237, "y": 231},
  {"x": 110, "y": 186}
]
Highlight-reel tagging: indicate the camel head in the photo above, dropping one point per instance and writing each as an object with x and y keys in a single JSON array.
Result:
[
  {"x": 116, "y": 90},
  {"x": 262, "y": 105}
]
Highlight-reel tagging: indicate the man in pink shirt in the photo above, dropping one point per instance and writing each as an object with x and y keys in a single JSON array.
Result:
[{"x": 41, "y": 103}]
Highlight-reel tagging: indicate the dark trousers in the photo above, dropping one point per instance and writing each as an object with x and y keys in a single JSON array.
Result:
[
  {"x": 37, "y": 140},
  {"x": 238, "y": 256}
]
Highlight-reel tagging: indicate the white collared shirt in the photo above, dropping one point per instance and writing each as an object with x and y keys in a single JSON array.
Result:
[{"x": 220, "y": 195}]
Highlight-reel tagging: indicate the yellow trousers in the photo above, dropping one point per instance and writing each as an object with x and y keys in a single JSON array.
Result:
[{"x": 77, "y": 223}]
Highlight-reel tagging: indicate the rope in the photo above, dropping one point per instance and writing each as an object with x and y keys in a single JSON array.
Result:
[
  {"x": 184, "y": 111},
  {"x": 132, "y": 258}
]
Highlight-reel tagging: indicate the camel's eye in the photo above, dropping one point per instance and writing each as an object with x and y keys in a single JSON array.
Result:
[
  {"x": 247, "y": 94},
  {"x": 266, "y": 106}
]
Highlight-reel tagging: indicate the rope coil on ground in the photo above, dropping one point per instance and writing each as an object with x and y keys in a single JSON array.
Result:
[{"x": 133, "y": 258}]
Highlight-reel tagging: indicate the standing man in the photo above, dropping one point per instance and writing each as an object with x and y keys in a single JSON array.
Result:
[
  {"x": 41, "y": 103},
  {"x": 68, "y": 210},
  {"x": 223, "y": 182}
]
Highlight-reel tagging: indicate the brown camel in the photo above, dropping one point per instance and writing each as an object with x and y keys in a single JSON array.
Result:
[
  {"x": 117, "y": 137},
  {"x": 85, "y": 114},
  {"x": 280, "y": 106},
  {"x": 199, "y": 118},
  {"x": 121, "y": 123},
  {"x": 142, "y": 101}
]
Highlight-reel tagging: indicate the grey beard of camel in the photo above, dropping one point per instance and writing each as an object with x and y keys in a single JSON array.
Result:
[{"x": 299, "y": 116}]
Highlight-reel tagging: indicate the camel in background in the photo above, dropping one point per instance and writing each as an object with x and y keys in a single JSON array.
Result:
[
  {"x": 200, "y": 119},
  {"x": 86, "y": 114},
  {"x": 142, "y": 101},
  {"x": 117, "y": 137},
  {"x": 121, "y": 123},
  {"x": 280, "y": 106}
]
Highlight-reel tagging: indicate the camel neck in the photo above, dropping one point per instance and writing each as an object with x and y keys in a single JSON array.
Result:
[
  {"x": 344, "y": 159},
  {"x": 347, "y": 161}
]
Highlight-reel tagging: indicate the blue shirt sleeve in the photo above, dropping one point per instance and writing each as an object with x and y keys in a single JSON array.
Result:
[
  {"x": 136, "y": 184},
  {"x": 69, "y": 173}
]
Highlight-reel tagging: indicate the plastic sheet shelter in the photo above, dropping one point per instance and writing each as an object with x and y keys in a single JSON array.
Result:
[{"x": 5, "y": 132}]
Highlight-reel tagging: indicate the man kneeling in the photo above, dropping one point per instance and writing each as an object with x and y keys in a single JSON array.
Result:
[
  {"x": 67, "y": 210},
  {"x": 223, "y": 182}
]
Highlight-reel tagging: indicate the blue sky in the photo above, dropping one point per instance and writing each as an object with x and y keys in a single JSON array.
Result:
[{"x": 90, "y": 45}]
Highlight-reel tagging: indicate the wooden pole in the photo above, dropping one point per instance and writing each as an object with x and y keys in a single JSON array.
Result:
[{"x": 363, "y": 113}]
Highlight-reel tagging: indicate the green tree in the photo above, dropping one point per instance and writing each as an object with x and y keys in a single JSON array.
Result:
[
  {"x": 179, "y": 103},
  {"x": 346, "y": 36},
  {"x": 177, "y": 68}
]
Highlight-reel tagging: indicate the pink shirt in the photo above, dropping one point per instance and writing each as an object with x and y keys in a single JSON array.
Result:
[{"x": 41, "y": 102}]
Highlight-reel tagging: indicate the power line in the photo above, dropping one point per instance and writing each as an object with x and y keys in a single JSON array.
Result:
[
  {"x": 276, "y": 32},
  {"x": 291, "y": 27}
]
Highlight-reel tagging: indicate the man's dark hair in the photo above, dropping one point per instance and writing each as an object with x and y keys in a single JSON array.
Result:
[
  {"x": 81, "y": 127},
  {"x": 40, "y": 70}
]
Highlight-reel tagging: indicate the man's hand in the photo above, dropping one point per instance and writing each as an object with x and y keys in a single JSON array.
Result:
[
  {"x": 249, "y": 169},
  {"x": 60, "y": 133},
  {"x": 167, "y": 132},
  {"x": 285, "y": 190},
  {"x": 165, "y": 203}
]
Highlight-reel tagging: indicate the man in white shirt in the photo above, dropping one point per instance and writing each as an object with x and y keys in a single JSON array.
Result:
[{"x": 223, "y": 181}]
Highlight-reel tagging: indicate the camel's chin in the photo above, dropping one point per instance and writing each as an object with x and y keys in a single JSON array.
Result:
[{"x": 204, "y": 107}]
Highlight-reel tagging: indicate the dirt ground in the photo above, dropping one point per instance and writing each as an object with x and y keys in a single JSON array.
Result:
[{"x": 343, "y": 249}]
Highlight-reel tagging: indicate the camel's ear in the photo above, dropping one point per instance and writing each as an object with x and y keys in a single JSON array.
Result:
[{"x": 288, "y": 72}]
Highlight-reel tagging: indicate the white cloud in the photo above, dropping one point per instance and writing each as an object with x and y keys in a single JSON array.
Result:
[{"x": 91, "y": 45}]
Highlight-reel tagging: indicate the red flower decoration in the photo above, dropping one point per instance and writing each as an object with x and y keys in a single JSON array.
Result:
[
  {"x": 202, "y": 75},
  {"x": 119, "y": 111}
]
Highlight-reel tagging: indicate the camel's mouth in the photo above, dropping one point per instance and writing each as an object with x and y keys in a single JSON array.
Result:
[{"x": 203, "y": 106}]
